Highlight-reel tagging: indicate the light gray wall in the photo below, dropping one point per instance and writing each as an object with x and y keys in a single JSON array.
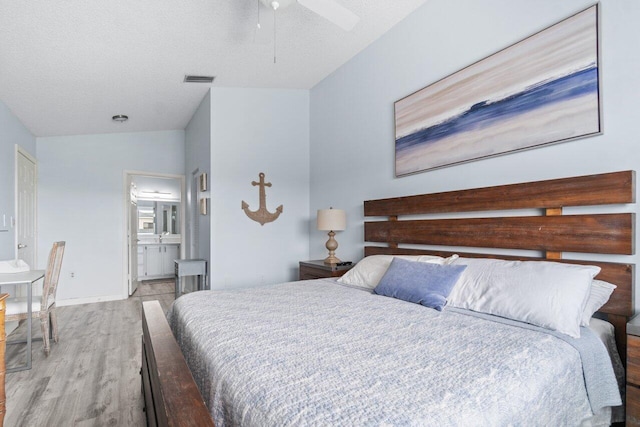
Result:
[
  {"x": 81, "y": 200},
  {"x": 198, "y": 157},
  {"x": 12, "y": 132},
  {"x": 253, "y": 131},
  {"x": 352, "y": 124}
]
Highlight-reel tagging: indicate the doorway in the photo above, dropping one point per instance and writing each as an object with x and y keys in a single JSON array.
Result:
[
  {"x": 26, "y": 217},
  {"x": 26, "y": 184},
  {"x": 155, "y": 228}
]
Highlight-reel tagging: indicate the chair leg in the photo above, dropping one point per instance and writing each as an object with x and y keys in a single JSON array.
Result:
[
  {"x": 44, "y": 327},
  {"x": 54, "y": 324}
]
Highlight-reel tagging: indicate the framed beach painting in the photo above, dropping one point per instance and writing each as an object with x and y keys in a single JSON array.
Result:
[{"x": 539, "y": 91}]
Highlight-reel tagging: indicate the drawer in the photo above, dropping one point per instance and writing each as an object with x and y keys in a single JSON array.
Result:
[
  {"x": 633, "y": 360},
  {"x": 633, "y": 406},
  {"x": 305, "y": 275},
  {"x": 317, "y": 269}
]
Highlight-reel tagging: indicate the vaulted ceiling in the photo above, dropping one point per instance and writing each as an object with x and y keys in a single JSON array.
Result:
[{"x": 66, "y": 67}]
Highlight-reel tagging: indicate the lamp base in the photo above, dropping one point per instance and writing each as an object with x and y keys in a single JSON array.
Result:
[
  {"x": 331, "y": 259},
  {"x": 331, "y": 246}
]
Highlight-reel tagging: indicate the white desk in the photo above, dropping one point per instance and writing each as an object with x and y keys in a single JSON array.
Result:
[
  {"x": 191, "y": 267},
  {"x": 26, "y": 278}
]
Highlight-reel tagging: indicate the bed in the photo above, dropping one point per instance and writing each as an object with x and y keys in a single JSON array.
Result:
[{"x": 283, "y": 363}]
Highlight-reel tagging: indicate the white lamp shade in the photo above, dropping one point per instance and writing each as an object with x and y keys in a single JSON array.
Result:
[{"x": 332, "y": 219}]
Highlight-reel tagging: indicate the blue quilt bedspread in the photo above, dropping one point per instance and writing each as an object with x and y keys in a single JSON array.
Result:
[{"x": 319, "y": 353}]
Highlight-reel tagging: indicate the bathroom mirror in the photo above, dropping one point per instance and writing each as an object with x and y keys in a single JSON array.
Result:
[
  {"x": 170, "y": 223},
  {"x": 146, "y": 217},
  {"x": 158, "y": 217}
]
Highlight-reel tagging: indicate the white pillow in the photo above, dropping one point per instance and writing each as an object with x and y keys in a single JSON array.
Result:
[
  {"x": 599, "y": 294},
  {"x": 547, "y": 294},
  {"x": 368, "y": 272}
]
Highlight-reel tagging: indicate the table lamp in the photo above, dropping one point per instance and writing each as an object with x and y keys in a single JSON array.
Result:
[{"x": 332, "y": 220}]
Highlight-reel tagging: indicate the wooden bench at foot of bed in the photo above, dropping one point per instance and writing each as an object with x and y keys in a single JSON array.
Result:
[{"x": 171, "y": 397}]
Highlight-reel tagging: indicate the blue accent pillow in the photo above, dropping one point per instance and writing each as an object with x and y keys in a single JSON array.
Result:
[{"x": 423, "y": 283}]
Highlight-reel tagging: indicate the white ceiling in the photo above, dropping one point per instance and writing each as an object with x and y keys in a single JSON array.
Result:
[{"x": 67, "y": 66}]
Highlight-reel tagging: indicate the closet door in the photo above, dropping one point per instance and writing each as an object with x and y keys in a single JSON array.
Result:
[{"x": 26, "y": 212}]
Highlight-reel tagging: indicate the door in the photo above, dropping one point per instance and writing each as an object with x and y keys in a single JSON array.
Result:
[
  {"x": 133, "y": 247},
  {"x": 26, "y": 208},
  {"x": 140, "y": 262}
]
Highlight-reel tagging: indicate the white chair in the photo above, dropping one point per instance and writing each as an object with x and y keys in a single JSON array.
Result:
[{"x": 42, "y": 306}]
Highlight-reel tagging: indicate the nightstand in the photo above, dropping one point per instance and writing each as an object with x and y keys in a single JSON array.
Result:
[
  {"x": 633, "y": 372},
  {"x": 317, "y": 269}
]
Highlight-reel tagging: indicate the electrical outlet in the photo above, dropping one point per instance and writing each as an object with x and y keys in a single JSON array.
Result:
[{"x": 73, "y": 274}]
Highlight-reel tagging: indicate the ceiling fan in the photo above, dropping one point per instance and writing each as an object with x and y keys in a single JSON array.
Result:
[{"x": 328, "y": 9}]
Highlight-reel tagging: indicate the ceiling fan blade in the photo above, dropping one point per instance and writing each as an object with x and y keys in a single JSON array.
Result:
[{"x": 332, "y": 11}]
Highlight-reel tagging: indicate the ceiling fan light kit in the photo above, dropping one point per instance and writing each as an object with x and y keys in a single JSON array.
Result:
[
  {"x": 331, "y": 10},
  {"x": 277, "y": 4}
]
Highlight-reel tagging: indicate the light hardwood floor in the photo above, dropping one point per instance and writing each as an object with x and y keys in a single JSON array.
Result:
[{"x": 91, "y": 377}]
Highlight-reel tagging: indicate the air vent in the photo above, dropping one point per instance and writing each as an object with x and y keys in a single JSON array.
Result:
[{"x": 198, "y": 79}]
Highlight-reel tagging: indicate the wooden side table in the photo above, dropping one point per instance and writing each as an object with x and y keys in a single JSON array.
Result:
[
  {"x": 317, "y": 269},
  {"x": 633, "y": 372},
  {"x": 2, "y": 364}
]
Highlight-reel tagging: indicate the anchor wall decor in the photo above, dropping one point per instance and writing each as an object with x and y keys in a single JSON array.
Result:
[{"x": 262, "y": 215}]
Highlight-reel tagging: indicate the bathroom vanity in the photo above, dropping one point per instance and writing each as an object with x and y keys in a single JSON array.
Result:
[
  {"x": 158, "y": 238},
  {"x": 156, "y": 260}
]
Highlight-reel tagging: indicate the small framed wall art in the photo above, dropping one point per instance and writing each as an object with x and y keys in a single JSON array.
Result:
[{"x": 203, "y": 181}]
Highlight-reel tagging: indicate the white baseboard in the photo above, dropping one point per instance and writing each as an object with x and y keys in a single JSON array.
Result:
[{"x": 88, "y": 300}]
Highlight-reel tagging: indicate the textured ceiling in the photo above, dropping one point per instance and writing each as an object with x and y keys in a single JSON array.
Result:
[{"x": 66, "y": 67}]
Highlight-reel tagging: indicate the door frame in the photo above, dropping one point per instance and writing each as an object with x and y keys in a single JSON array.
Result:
[
  {"x": 132, "y": 256},
  {"x": 127, "y": 176},
  {"x": 21, "y": 151},
  {"x": 194, "y": 208}
]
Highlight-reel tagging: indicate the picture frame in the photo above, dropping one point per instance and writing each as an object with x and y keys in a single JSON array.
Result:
[
  {"x": 542, "y": 90},
  {"x": 203, "y": 181},
  {"x": 204, "y": 206}
]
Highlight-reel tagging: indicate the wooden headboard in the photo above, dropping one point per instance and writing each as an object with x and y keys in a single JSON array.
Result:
[{"x": 547, "y": 231}]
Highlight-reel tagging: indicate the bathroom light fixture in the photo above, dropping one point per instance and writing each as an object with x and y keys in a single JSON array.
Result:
[
  {"x": 121, "y": 118},
  {"x": 155, "y": 195},
  {"x": 156, "y": 192}
]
